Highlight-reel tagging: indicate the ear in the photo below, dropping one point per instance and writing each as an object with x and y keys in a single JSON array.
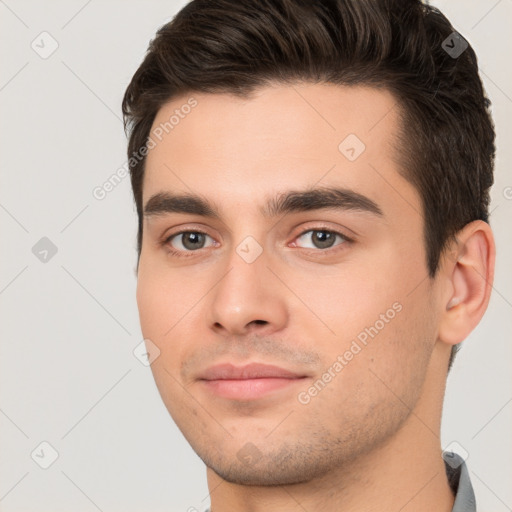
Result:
[{"x": 467, "y": 274}]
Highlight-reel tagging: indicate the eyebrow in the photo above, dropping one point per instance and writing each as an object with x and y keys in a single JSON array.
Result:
[{"x": 292, "y": 201}]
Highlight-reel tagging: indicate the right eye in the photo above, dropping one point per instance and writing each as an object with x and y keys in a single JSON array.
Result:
[{"x": 186, "y": 241}]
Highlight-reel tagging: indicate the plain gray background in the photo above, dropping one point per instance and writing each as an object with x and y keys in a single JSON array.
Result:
[{"x": 69, "y": 324}]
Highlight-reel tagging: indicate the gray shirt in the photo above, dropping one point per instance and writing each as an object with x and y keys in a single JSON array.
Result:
[{"x": 458, "y": 477}]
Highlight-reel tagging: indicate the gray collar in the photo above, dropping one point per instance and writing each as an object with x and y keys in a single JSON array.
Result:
[{"x": 458, "y": 476}]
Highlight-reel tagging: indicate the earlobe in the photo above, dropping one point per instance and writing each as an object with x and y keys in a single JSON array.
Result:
[{"x": 469, "y": 275}]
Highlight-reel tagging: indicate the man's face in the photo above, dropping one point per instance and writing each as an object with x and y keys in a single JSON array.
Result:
[{"x": 338, "y": 297}]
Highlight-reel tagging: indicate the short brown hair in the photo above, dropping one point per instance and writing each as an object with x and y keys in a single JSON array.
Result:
[{"x": 447, "y": 135}]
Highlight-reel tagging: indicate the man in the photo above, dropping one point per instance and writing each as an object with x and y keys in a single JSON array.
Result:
[{"x": 312, "y": 184}]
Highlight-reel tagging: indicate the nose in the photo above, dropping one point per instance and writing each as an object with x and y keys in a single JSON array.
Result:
[{"x": 248, "y": 298}]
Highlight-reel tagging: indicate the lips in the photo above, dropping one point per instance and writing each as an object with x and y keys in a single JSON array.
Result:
[
  {"x": 250, "y": 371},
  {"x": 249, "y": 382}
]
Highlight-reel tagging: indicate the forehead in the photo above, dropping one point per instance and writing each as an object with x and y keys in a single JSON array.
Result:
[{"x": 281, "y": 138}]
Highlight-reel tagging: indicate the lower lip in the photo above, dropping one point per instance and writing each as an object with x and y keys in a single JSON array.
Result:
[{"x": 248, "y": 389}]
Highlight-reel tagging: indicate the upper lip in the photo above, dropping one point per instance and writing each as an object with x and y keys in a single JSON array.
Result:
[{"x": 229, "y": 371}]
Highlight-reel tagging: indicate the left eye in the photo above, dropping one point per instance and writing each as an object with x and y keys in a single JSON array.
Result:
[{"x": 322, "y": 238}]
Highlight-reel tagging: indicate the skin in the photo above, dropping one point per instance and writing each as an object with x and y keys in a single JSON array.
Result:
[{"x": 375, "y": 427}]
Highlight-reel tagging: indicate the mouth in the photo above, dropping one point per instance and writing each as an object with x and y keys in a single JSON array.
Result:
[{"x": 248, "y": 382}]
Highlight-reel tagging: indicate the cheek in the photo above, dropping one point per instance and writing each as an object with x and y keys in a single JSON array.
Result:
[
  {"x": 153, "y": 305},
  {"x": 380, "y": 379},
  {"x": 162, "y": 305},
  {"x": 171, "y": 316},
  {"x": 382, "y": 325},
  {"x": 163, "y": 297},
  {"x": 345, "y": 302},
  {"x": 397, "y": 353}
]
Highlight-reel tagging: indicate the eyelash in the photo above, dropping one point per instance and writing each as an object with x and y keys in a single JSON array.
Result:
[{"x": 187, "y": 254}]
